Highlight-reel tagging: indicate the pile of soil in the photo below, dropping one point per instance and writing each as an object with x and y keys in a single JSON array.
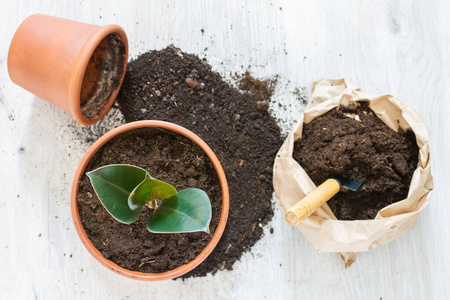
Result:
[
  {"x": 338, "y": 144},
  {"x": 181, "y": 88},
  {"x": 169, "y": 157}
]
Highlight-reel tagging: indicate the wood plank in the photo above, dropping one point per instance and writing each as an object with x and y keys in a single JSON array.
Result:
[{"x": 396, "y": 47}]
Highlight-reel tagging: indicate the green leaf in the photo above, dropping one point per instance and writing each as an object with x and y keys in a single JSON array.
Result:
[
  {"x": 113, "y": 184},
  {"x": 148, "y": 190},
  {"x": 162, "y": 190},
  {"x": 187, "y": 211}
]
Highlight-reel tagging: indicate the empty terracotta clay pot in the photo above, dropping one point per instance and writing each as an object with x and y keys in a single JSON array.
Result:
[
  {"x": 76, "y": 66},
  {"x": 223, "y": 216}
]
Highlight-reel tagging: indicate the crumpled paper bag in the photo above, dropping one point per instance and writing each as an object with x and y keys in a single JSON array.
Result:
[{"x": 322, "y": 229}]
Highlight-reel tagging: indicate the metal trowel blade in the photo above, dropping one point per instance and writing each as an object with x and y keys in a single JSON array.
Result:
[{"x": 351, "y": 185}]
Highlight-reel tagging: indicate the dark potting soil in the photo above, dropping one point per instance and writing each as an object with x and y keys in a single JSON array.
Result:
[
  {"x": 259, "y": 90},
  {"x": 181, "y": 88},
  {"x": 366, "y": 150},
  {"x": 169, "y": 157}
]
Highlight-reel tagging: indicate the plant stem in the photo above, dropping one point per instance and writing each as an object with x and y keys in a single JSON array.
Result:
[{"x": 153, "y": 204}]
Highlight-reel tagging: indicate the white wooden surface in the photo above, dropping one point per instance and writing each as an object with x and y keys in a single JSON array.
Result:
[{"x": 396, "y": 47}]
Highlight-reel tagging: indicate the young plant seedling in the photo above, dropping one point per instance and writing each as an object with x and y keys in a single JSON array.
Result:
[{"x": 124, "y": 190}]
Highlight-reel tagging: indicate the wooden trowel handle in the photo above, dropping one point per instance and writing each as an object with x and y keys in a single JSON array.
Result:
[{"x": 312, "y": 201}]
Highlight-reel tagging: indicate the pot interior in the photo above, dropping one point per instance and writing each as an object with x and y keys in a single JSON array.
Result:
[{"x": 103, "y": 74}]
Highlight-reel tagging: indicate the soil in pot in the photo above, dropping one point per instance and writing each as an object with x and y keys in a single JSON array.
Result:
[
  {"x": 169, "y": 157},
  {"x": 354, "y": 143},
  {"x": 174, "y": 86}
]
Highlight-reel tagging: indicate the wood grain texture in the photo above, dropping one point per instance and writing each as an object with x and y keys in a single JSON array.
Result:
[{"x": 397, "y": 47}]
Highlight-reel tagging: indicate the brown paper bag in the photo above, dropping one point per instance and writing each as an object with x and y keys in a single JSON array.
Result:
[{"x": 322, "y": 229}]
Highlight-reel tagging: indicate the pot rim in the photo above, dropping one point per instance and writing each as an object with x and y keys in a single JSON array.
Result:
[
  {"x": 135, "y": 274},
  {"x": 79, "y": 70}
]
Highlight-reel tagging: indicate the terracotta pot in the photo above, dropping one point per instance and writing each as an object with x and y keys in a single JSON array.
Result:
[
  {"x": 139, "y": 275},
  {"x": 76, "y": 66}
]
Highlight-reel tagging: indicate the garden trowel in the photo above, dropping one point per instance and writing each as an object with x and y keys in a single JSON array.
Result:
[{"x": 319, "y": 196}]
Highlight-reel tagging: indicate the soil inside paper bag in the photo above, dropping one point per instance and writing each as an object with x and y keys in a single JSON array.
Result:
[{"x": 354, "y": 143}]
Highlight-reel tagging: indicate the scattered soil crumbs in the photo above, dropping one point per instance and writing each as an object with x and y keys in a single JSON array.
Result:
[
  {"x": 366, "y": 150},
  {"x": 168, "y": 157},
  {"x": 300, "y": 93},
  {"x": 181, "y": 88}
]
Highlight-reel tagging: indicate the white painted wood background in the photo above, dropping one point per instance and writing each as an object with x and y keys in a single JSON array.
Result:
[{"x": 396, "y": 47}]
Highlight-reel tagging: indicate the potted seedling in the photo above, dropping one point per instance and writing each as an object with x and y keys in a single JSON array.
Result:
[{"x": 142, "y": 227}]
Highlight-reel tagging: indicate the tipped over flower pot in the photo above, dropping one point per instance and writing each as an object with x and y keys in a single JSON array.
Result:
[
  {"x": 133, "y": 223},
  {"x": 76, "y": 66}
]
